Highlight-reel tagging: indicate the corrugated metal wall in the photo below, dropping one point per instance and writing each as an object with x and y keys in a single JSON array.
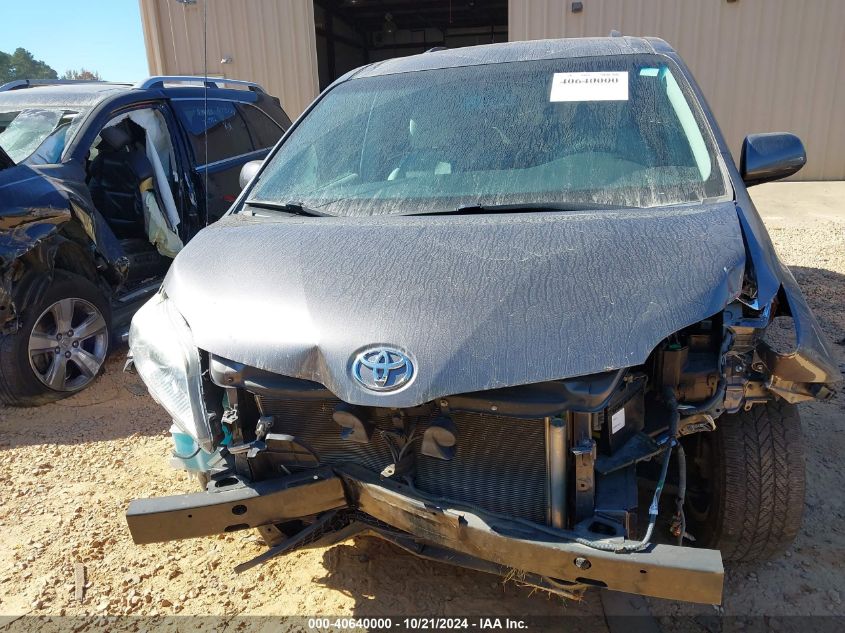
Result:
[
  {"x": 764, "y": 65},
  {"x": 271, "y": 42}
]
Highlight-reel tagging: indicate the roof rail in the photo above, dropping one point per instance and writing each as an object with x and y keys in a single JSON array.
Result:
[
  {"x": 18, "y": 84},
  {"x": 434, "y": 49},
  {"x": 210, "y": 82}
]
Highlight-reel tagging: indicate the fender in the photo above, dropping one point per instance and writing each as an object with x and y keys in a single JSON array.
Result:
[
  {"x": 810, "y": 368},
  {"x": 24, "y": 281},
  {"x": 37, "y": 235},
  {"x": 809, "y": 371}
]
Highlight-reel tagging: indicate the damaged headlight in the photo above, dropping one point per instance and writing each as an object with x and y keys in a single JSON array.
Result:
[{"x": 168, "y": 362}]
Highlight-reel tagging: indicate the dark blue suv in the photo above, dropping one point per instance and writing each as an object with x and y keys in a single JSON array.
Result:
[{"x": 101, "y": 185}]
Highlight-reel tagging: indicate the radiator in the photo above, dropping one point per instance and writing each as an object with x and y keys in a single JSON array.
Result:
[{"x": 500, "y": 464}]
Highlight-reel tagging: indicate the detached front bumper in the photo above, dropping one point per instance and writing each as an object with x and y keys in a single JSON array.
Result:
[{"x": 663, "y": 571}]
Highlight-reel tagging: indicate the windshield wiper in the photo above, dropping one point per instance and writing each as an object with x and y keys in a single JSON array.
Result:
[
  {"x": 297, "y": 208},
  {"x": 479, "y": 209}
]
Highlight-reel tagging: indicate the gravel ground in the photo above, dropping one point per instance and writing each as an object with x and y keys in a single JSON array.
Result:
[{"x": 69, "y": 470}]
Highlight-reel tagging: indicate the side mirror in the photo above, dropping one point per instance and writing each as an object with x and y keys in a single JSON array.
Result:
[
  {"x": 248, "y": 172},
  {"x": 767, "y": 157}
]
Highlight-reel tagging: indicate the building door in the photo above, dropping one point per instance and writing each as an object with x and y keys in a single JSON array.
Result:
[{"x": 351, "y": 33}]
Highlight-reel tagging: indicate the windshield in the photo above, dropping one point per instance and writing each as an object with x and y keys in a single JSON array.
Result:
[
  {"x": 594, "y": 132},
  {"x": 36, "y": 134}
]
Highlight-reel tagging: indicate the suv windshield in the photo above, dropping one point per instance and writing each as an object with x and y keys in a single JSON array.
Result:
[
  {"x": 584, "y": 132},
  {"x": 36, "y": 133}
]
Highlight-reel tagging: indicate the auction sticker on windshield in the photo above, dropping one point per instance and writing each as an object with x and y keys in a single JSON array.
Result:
[{"x": 599, "y": 86}]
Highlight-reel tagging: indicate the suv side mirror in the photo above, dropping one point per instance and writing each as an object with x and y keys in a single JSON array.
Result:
[
  {"x": 248, "y": 171},
  {"x": 767, "y": 157}
]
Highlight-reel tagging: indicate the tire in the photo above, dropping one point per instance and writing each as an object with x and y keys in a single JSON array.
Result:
[
  {"x": 746, "y": 495},
  {"x": 31, "y": 373}
]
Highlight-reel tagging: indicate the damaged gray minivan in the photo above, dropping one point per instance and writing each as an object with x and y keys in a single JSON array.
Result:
[{"x": 508, "y": 307}]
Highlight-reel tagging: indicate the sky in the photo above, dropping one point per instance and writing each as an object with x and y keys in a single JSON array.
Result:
[{"x": 100, "y": 35}]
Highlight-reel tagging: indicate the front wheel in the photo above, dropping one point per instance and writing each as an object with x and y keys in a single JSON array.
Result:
[
  {"x": 60, "y": 346},
  {"x": 746, "y": 484}
]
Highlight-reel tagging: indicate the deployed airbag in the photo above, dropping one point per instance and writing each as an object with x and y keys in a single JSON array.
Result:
[{"x": 161, "y": 224}]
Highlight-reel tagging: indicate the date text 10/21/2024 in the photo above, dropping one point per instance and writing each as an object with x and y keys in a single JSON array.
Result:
[{"x": 417, "y": 623}]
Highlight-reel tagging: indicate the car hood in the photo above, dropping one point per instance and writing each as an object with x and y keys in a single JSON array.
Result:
[{"x": 476, "y": 302}]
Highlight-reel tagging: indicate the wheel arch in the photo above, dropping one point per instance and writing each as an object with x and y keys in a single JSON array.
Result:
[
  {"x": 36, "y": 269},
  {"x": 21, "y": 382}
]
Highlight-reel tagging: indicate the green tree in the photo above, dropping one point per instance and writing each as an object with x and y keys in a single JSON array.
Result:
[
  {"x": 83, "y": 74},
  {"x": 22, "y": 65}
]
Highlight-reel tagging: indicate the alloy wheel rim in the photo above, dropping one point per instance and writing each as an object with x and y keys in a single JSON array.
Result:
[{"x": 68, "y": 344}]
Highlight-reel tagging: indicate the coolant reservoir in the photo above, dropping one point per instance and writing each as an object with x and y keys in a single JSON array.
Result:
[{"x": 187, "y": 455}]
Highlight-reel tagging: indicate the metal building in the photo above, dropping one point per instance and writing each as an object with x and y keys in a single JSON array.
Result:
[{"x": 764, "y": 65}]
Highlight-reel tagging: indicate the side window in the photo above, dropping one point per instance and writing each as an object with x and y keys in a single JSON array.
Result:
[
  {"x": 227, "y": 132},
  {"x": 265, "y": 131}
]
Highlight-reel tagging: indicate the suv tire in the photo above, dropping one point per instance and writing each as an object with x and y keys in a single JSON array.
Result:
[
  {"x": 751, "y": 499},
  {"x": 26, "y": 378}
]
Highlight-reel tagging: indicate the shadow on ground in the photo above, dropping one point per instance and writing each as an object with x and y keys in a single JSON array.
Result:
[
  {"x": 384, "y": 580},
  {"x": 116, "y": 406}
]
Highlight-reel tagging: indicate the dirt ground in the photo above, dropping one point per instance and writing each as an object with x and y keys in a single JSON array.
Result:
[{"x": 68, "y": 471}]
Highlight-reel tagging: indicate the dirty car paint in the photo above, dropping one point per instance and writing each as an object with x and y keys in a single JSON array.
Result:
[
  {"x": 477, "y": 302},
  {"x": 36, "y": 202}
]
